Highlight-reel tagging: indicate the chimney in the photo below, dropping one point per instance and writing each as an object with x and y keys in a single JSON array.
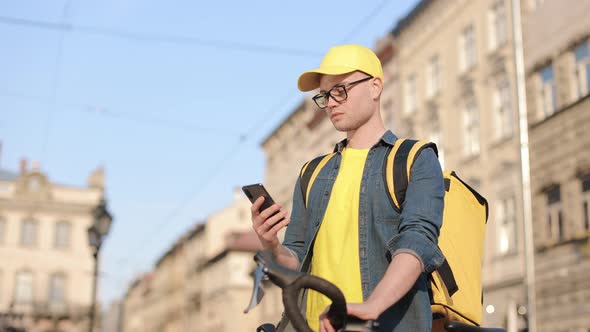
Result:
[{"x": 23, "y": 166}]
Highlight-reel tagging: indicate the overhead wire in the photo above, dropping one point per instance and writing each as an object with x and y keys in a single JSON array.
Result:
[
  {"x": 55, "y": 84},
  {"x": 159, "y": 122},
  {"x": 156, "y": 37}
]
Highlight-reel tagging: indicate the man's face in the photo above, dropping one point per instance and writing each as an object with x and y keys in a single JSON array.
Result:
[{"x": 357, "y": 109}]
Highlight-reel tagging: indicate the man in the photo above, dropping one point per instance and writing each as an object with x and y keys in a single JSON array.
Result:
[{"x": 349, "y": 232}]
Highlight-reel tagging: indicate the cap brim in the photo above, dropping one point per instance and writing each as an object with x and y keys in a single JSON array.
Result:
[{"x": 310, "y": 80}]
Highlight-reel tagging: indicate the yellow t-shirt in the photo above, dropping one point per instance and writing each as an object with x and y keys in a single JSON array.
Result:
[{"x": 336, "y": 249}]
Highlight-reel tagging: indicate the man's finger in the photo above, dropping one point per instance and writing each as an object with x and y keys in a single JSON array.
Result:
[
  {"x": 270, "y": 211},
  {"x": 256, "y": 206},
  {"x": 276, "y": 218},
  {"x": 278, "y": 226}
]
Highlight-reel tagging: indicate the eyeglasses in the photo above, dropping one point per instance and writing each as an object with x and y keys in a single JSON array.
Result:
[{"x": 338, "y": 93}]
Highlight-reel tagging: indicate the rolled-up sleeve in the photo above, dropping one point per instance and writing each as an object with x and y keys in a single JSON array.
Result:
[{"x": 422, "y": 212}]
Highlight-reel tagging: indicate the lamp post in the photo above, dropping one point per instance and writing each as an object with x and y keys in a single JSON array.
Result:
[{"x": 96, "y": 234}]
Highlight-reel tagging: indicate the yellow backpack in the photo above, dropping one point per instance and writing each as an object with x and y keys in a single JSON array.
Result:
[{"x": 456, "y": 285}]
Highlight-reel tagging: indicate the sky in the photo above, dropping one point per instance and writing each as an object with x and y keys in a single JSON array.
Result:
[{"x": 172, "y": 98}]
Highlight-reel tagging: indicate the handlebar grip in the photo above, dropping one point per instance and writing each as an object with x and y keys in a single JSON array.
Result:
[{"x": 336, "y": 313}]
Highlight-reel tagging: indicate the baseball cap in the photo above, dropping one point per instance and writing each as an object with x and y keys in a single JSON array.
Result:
[{"x": 339, "y": 60}]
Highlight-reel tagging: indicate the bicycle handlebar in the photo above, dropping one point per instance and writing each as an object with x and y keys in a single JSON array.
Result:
[
  {"x": 291, "y": 282},
  {"x": 336, "y": 313}
]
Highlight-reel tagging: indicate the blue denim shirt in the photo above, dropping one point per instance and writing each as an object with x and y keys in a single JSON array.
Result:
[{"x": 383, "y": 231}]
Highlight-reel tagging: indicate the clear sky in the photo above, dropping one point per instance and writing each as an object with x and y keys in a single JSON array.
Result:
[{"x": 173, "y": 98}]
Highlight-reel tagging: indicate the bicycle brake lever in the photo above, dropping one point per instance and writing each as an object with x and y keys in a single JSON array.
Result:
[
  {"x": 278, "y": 274},
  {"x": 257, "y": 291}
]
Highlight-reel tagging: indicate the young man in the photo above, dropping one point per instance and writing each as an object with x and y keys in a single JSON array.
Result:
[{"x": 349, "y": 232}]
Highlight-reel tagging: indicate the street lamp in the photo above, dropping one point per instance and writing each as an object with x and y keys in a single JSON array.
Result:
[{"x": 96, "y": 234}]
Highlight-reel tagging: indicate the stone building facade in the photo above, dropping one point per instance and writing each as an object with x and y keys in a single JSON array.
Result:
[
  {"x": 557, "y": 63},
  {"x": 47, "y": 264}
]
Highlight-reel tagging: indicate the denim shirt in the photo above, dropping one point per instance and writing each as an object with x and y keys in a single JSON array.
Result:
[{"x": 383, "y": 231}]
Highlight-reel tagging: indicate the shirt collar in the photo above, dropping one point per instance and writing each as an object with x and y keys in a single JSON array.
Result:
[{"x": 388, "y": 138}]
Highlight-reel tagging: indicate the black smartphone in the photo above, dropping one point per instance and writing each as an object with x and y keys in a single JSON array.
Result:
[{"x": 253, "y": 191}]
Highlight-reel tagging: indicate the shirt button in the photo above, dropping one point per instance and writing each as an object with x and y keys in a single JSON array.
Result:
[{"x": 326, "y": 193}]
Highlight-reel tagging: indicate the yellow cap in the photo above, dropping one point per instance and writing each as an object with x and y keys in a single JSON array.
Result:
[{"x": 340, "y": 60}]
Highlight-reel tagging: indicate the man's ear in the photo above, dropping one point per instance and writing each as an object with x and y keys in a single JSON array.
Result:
[{"x": 376, "y": 88}]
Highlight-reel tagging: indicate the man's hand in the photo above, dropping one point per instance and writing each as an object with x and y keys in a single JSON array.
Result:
[
  {"x": 267, "y": 227},
  {"x": 365, "y": 311}
]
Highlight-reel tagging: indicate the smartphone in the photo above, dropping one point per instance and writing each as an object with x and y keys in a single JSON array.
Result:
[{"x": 253, "y": 191}]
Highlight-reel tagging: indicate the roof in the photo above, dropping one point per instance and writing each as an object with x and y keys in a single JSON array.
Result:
[
  {"x": 409, "y": 18},
  {"x": 245, "y": 241},
  {"x": 299, "y": 107}
]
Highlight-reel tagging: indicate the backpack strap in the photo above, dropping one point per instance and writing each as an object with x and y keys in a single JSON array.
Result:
[
  {"x": 399, "y": 161},
  {"x": 309, "y": 172}
]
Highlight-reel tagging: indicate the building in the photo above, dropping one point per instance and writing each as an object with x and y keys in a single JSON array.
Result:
[
  {"x": 160, "y": 299},
  {"x": 557, "y": 65},
  {"x": 47, "y": 264},
  {"x": 204, "y": 282},
  {"x": 135, "y": 309},
  {"x": 112, "y": 317},
  {"x": 455, "y": 83}
]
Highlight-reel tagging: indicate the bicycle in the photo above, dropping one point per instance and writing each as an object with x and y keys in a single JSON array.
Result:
[{"x": 292, "y": 282}]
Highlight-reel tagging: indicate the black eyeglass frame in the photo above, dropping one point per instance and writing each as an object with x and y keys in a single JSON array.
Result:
[{"x": 327, "y": 94}]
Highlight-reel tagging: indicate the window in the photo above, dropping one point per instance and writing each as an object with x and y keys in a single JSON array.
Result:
[
  {"x": 547, "y": 92},
  {"x": 57, "y": 289},
  {"x": 436, "y": 133},
  {"x": 586, "y": 202},
  {"x": 467, "y": 48},
  {"x": 582, "y": 57},
  {"x": 410, "y": 95},
  {"x": 433, "y": 85},
  {"x": 2, "y": 229},
  {"x": 24, "y": 287},
  {"x": 503, "y": 120},
  {"x": 506, "y": 221},
  {"x": 29, "y": 233},
  {"x": 62, "y": 235},
  {"x": 554, "y": 215},
  {"x": 498, "y": 25},
  {"x": 470, "y": 129}
]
